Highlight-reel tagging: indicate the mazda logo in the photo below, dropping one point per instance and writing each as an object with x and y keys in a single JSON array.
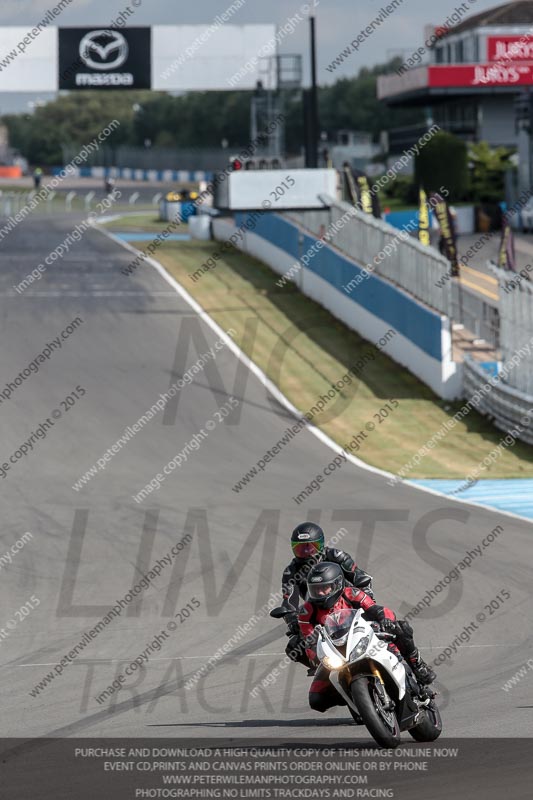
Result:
[{"x": 104, "y": 50}]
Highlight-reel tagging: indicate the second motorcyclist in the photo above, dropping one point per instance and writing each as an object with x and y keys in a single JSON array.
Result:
[{"x": 309, "y": 548}]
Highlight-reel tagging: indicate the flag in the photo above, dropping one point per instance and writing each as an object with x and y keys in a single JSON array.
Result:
[
  {"x": 506, "y": 256},
  {"x": 358, "y": 190},
  {"x": 423, "y": 219},
  {"x": 368, "y": 200},
  {"x": 363, "y": 191},
  {"x": 448, "y": 233}
]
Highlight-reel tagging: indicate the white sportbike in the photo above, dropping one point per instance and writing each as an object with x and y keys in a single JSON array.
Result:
[{"x": 379, "y": 687}]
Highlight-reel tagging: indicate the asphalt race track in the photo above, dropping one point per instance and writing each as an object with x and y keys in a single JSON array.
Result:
[{"x": 89, "y": 547}]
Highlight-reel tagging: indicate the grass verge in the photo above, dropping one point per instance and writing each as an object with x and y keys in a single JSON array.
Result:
[{"x": 304, "y": 349}]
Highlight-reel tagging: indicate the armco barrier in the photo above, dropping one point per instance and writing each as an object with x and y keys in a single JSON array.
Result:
[
  {"x": 395, "y": 255},
  {"x": 423, "y": 340},
  {"x": 506, "y": 406}
]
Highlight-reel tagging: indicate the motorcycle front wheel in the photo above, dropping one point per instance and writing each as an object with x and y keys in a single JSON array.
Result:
[
  {"x": 381, "y": 724},
  {"x": 430, "y": 727}
]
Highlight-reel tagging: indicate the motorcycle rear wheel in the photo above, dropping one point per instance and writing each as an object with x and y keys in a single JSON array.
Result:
[{"x": 381, "y": 724}]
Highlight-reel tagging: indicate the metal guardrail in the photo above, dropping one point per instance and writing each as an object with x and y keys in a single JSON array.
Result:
[
  {"x": 404, "y": 261},
  {"x": 516, "y": 322},
  {"x": 505, "y": 406}
]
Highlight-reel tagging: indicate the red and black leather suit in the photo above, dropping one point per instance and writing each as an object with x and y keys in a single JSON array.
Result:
[{"x": 322, "y": 694}]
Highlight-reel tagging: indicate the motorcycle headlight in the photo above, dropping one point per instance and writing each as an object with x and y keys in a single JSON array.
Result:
[
  {"x": 360, "y": 647},
  {"x": 333, "y": 661}
]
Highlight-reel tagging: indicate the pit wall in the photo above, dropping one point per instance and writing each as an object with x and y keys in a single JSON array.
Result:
[{"x": 373, "y": 306}]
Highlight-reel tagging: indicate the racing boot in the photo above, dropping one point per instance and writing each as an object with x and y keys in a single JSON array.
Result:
[{"x": 423, "y": 673}]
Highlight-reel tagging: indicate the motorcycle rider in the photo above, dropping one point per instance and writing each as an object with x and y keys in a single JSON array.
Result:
[
  {"x": 327, "y": 592},
  {"x": 308, "y": 547}
]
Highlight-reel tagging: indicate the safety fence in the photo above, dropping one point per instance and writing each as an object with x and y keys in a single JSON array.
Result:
[
  {"x": 384, "y": 250},
  {"x": 11, "y": 203},
  {"x": 507, "y": 407},
  {"x": 516, "y": 323},
  {"x": 155, "y": 158},
  {"x": 477, "y": 314}
]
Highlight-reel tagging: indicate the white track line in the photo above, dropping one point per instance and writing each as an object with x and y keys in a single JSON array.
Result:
[
  {"x": 244, "y": 655},
  {"x": 273, "y": 389}
]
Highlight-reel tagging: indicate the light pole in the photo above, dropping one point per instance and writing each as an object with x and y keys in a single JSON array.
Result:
[{"x": 313, "y": 100}]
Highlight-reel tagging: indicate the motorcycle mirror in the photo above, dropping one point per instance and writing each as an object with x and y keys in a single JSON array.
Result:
[{"x": 280, "y": 612}]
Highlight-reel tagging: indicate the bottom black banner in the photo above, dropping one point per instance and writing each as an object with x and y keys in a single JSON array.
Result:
[{"x": 127, "y": 769}]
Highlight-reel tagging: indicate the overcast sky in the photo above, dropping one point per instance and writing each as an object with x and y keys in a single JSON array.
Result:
[{"x": 338, "y": 21}]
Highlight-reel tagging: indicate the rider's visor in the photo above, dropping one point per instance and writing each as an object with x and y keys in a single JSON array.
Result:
[
  {"x": 306, "y": 549},
  {"x": 321, "y": 590}
]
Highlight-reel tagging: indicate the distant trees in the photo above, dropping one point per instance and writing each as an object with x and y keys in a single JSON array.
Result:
[
  {"x": 487, "y": 171},
  {"x": 443, "y": 161},
  {"x": 195, "y": 119},
  {"x": 471, "y": 171}
]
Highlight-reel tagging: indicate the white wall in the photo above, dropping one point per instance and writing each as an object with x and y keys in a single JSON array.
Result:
[{"x": 444, "y": 378}]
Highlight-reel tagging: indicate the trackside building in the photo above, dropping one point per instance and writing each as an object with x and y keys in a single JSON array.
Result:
[{"x": 468, "y": 76}]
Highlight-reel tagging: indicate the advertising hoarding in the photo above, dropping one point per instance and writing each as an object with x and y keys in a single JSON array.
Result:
[
  {"x": 477, "y": 75},
  {"x": 509, "y": 48},
  {"x": 28, "y": 67},
  {"x": 103, "y": 58},
  {"x": 211, "y": 57},
  {"x": 280, "y": 189}
]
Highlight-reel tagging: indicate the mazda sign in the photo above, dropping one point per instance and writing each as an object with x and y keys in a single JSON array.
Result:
[{"x": 104, "y": 58}]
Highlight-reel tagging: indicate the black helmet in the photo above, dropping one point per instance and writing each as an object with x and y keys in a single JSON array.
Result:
[
  {"x": 325, "y": 584},
  {"x": 307, "y": 541}
]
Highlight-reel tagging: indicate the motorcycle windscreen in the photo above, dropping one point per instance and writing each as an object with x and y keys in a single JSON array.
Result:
[{"x": 339, "y": 623}]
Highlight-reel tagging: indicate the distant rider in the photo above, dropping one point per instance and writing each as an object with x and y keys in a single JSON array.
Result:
[
  {"x": 37, "y": 177},
  {"x": 327, "y": 593}
]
